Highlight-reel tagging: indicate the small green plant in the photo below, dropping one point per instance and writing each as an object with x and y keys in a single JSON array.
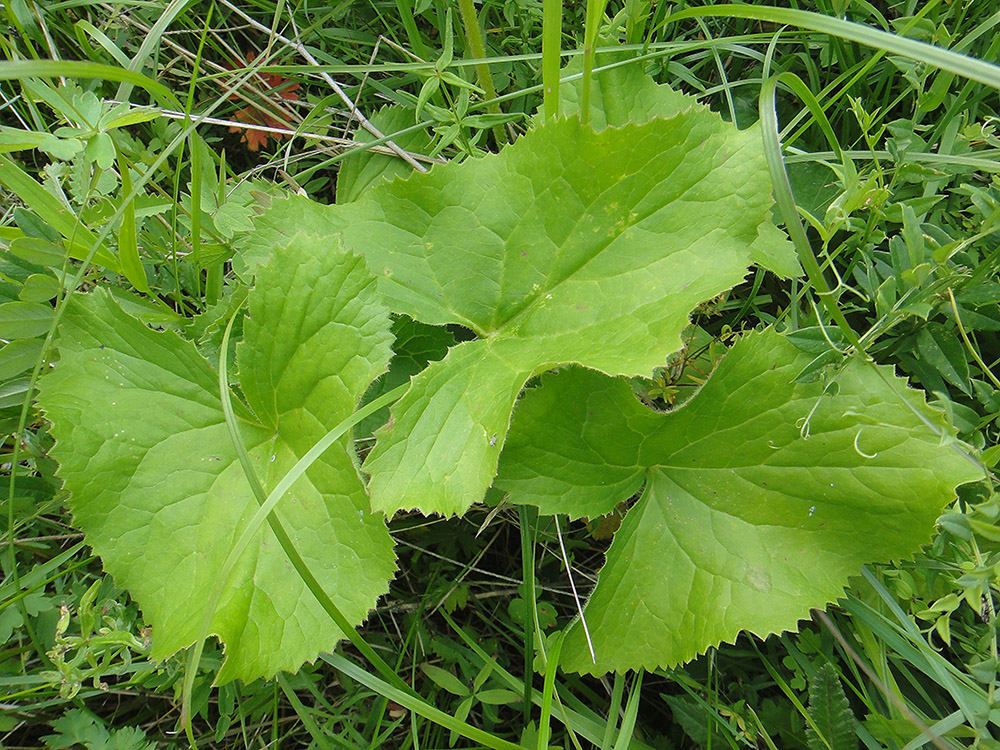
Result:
[
  {"x": 574, "y": 246},
  {"x": 103, "y": 646},
  {"x": 832, "y": 725},
  {"x": 79, "y": 728}
]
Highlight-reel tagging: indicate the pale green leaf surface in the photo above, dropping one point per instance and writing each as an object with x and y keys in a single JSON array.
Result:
[
  {"x": 133, "y": 117},
  {"x": 624, "y": 94},
  {"x": 743, "y": 523},
  {"x": 16, "y": 139},
  {"x": 21, "y": 320},
  {"x": 39, "y": 251},
  {"x": 40, "y": 287},
  {"x": 156, "y": 485},
  {"x": 448, "y": 436},
  {"x": 587, "y": 254},
  {"x": 19, "y": 356},
  {"x": 60, "y": 148}
]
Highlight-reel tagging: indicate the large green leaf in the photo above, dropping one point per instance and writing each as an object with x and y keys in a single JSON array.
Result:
[
  {"x": 569, "y": 246},
  {"x": 156, "y": 486},
  {"x": 623, "y": 94},
  {"x": 760, "y": 496}
]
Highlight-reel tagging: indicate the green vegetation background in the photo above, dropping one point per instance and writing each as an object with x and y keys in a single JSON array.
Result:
[{"x": 904, "y": 224}]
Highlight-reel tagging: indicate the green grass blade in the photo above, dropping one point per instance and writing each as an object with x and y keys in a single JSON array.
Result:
[
  {"x": 474, "y": 43},
  {"x": 584, "y": 720},
  {"x": 405, "y": 8},
  {"x": 595, "y": 12},
  {"x": 551, "y": 669},
  {"x": 551, "y": 55},
  {"x": 57, "y": 216},
  {"x": 104, "y": 40},
  {"x": 938, "y": 57},
  {"x": 11, "y": 591},
  {"x": 912, "y": 650},
  {"x": 940, "y": 728},
  {"x": 17, "y": 69},
  {"x": 528, "y": 517},
  {"x": 786, "y": 201},
  {"x": 417, "y": 705},
  {"x": 128, "y": 248},
  {"x": 637, "y": 15},
  {"x": 631, "y": 713},
  {"x": 787, "y": 690},
  {"x": 616, "y": 702},
  {"x": 149, "y": 43},
  {"x": 197, "y": 148}
]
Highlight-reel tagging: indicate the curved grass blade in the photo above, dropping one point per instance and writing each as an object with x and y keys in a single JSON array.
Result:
[
  {"x": 16, "y": 69},
  {"x": 267, "y": 504},
  {"x": 407, "y": 699},
  {"x": 953, "y": 62}
]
